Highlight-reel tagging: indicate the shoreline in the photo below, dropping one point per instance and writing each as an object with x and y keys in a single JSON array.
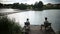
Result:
[{"x": 28, "y": 9}]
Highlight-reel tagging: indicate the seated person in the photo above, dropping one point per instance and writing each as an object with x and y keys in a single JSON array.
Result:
[
  {"x": 27, "y": 22},
  {"x": 46, "y": 23}
]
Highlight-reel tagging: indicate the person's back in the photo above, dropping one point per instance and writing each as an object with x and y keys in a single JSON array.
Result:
[
  {"x": 46, "y": 23},
  {"x": 27, "y": 22},
  {"x": 27, "y": 26}
]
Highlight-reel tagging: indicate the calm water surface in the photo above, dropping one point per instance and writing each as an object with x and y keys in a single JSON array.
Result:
[{"x": 36, "y": 17}]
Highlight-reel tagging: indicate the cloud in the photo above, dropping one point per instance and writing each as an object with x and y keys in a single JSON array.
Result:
[
  {"x": 29, "y": 1},
  {"x": 20, "y": 1},
  {"x": 12, "y": 1}
]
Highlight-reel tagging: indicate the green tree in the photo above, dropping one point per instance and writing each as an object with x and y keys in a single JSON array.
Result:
[
  {"x": 1, "y": 5},
  {"x": 40, "y": 4},
  {"x": 23, "y": 6},
  {"x": 35, "y": 5},
  {"x": 15, "y": 5}
]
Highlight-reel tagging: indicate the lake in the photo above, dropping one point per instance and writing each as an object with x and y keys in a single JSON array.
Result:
[{"x": 35, "y": 17}]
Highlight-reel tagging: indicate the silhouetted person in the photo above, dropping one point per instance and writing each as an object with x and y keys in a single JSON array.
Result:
[
  {"x": 27, "y": 22},
  {"x": 27, "y": 26},
  {"x": 46, "y": 20},
  {"x": 46, "y": 23}
]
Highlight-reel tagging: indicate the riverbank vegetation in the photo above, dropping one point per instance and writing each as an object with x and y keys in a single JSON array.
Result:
[
  {"x": 37, "y": 6},
  {"x": 8, "y": 26}
]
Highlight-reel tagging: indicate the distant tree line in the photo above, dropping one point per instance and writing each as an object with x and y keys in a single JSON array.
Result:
[
  {"x": 37, "y": 6},
  {"x": 22, "y": 6},
  {"x": 51, "y": 6}
]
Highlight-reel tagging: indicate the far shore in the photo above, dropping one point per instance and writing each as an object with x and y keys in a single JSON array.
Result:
[{"x": 28, "y": 9}]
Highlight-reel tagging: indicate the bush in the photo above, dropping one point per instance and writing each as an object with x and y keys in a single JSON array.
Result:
[{"x": 8, "y": 26}]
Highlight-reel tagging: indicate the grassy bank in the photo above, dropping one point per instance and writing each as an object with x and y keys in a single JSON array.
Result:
[{"x": 8, "y": 26}]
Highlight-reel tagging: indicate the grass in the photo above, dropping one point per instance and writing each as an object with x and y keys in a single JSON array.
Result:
[{"x": 8, "y": 26}]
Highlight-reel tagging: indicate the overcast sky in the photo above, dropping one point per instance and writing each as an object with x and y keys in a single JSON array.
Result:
[{"x": 28, "y": 1}]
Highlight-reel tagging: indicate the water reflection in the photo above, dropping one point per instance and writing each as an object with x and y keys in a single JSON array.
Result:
[{"x": 21, "y": 17}]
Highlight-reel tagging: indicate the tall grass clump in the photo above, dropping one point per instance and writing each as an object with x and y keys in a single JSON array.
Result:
[{"x": 8, "y": 26}]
